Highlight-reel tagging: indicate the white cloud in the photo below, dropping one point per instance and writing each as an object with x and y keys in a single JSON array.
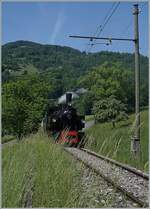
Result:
[{"x": 58, "y": 25}]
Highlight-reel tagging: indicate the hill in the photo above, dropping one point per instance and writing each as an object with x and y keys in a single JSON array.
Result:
[
  {"x": 33, "y": 74},
  {"x": 16, "y": 56}
]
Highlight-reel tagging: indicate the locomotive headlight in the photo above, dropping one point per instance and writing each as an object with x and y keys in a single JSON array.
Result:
[{"x": 54, "y": 120}]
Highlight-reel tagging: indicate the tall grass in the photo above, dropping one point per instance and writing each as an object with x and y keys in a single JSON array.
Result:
[
  {"x": 38, "y": 165},
  {"x": 115, "y": 142},
  {"x": 7, "y": 138},
  {"x": 89, "y": 117}
]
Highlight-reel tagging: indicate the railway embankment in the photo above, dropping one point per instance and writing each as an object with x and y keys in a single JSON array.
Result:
[
  {"x": 97, "y": 192},
  {"x": 115, "y": 142},
  {"x": 131, "y": 182}
]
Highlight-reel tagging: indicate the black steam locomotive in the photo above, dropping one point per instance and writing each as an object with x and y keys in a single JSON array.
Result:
[{"x": 64, "y": 124}]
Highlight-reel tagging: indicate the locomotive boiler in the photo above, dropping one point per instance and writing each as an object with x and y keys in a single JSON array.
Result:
[{"x": 64, "y": 125}]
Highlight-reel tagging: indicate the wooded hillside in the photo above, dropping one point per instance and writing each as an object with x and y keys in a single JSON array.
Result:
[{"x": 33, "y": 74}]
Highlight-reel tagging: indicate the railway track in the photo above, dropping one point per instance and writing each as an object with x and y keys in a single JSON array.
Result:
[{"x": 132, "y": 182}]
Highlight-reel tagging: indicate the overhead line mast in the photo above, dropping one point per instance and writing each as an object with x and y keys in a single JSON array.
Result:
[{"x": 135, "y": 143}]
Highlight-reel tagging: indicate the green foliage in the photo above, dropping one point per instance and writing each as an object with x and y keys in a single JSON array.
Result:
[
  {"x": 89, "y": 117},
  {"x": 84, "y": 103},
  {"x": 106, "y": 80},
  {"x": 50, "y": 70},
  {"x": 109, "y": 110},
  {"x": 115, "y": 143},
  {"x": 69, "y": 64},
  {"x": 23, "y": 104}
]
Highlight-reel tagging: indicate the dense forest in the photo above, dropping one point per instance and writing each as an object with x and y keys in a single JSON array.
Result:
[{"x": 33, "y": 74}]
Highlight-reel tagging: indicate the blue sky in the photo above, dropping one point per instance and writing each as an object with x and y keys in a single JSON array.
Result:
[{"x": 53, "y": 22}]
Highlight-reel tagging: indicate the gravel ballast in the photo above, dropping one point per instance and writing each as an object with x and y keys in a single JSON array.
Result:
[
  {"x": 96, "y": 192},
  {"x": 134, "y": 185}
]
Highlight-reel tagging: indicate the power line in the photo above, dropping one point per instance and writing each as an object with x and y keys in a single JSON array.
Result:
[
  {"x": 130, "y": 22},
  {"x": 107, "y": 18},
  {"x": 136, "y": 137},
  {"x": 100, "y": 26},
  {"x": 144, "y": 4},
  {"x": 126, "y": 28},
  {"x": 113, "y": 11}
]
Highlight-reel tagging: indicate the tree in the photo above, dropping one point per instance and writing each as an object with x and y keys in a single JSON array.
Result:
[
  {"x": 23, "y": 104},
  {"x": 106, "y": 80},
  {"x": 14, "y": 108},
  {"x": 85, "y": 103},
  {"x": 110, "y": 110},
  {"x": 19, "y": 56}
]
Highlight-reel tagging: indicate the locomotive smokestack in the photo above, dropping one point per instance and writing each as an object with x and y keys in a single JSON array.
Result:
[{"x": 68, "y": 98}]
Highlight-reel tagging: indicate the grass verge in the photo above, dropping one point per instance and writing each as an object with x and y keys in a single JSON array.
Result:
[
  {"x": 7, "y": 138},
  {"x": 89, "y": 117},
  {"x": 37, "y": 173},
  {"x": 115, "y": 142}
]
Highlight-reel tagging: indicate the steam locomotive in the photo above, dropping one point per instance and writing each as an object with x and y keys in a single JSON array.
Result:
[{"x": 64, "y": 125}]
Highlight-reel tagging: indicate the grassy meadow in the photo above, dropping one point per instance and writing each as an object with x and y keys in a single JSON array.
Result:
[
  {"x": 37, "y": 173},
  {"x": 115, "y": 142},
  {"x": 7, "y": 138},
  {"x": 89, "y": 117}
]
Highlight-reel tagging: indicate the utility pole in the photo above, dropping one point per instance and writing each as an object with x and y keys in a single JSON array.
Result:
[{"x": 135, "y": 142}]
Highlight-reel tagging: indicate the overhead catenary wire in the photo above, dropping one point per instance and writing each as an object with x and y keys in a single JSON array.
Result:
[
  {"x": 107, "y": 18},
  {"x": 103, "y": 22},
  {"x": 113, "y": 11},
  {"x": 125, "y": 30},
  {"x": 129, "y": 25},
  {"x": 144, "y": 4},
  {"x": 100, "y": 26},
  {"x": 135, "y": 142}
]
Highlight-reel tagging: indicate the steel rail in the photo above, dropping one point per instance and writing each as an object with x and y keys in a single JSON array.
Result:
[
  {"x": 126, "y": 167},
  {"x": 119, "y": 187}
]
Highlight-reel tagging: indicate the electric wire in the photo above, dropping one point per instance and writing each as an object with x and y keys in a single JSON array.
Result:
[
  {"x": 125, "y": 30},
  {"x": 100, "y": 26},
  {"x": 144, "y": 4},
  {"x": 106, "y": 20},
  {"x": 113, "y": 9}
]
